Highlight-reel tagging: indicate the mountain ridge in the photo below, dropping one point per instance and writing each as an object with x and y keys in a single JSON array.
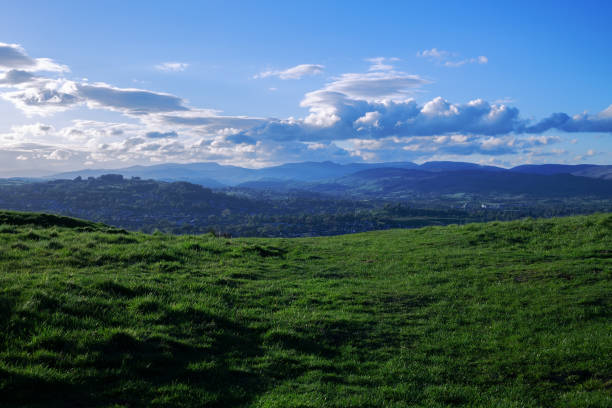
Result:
[{"x": 215, "y": 175}]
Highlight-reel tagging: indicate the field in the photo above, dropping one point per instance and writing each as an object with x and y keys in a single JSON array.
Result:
[{"x": 512, "y": 314}]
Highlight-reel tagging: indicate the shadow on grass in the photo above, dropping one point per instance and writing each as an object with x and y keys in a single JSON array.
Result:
[{"x": 125, "y": 370}]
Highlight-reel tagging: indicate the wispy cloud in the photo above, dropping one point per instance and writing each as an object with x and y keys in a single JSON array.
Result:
[
  {"x": 450, "y": 59},
  {"x": 297, "y": 72},
  {"x": 381, "y": 63},
  {"x": 434, "y": 53},
  {"x": 172, "y": 66},
  {"x": 44, "y": 96},
  {"x": 381, "y": 82}
]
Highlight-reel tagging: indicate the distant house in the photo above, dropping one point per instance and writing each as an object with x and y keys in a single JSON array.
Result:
[{"x": 494, "y": 206}]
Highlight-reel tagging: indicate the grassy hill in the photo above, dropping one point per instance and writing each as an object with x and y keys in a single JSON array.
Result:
[{"x": 510, "y": 314}]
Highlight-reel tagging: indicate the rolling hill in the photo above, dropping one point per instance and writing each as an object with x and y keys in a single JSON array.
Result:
[
  {"x": 499, "y": 314},
  {"x": 391, "y": 182}
]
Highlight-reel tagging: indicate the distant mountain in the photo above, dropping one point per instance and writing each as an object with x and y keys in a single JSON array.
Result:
[
  {"x": 316, "y": 171},
  {"x": 389, "y": 183},
  {"x": 602, "y": 172},
  {"x": 549, "y": 169},
  {"x": 210, "y": 175},
  {"x": 456, "y": 166},
  {"x": 584, "y": 170},
  {"x": 214, "y": 175}
]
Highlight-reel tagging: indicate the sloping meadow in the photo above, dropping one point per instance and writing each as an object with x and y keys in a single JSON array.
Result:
[{"x": 513, "y": 314}]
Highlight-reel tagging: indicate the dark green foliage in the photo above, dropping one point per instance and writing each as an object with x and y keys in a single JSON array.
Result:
[
  {"x": 373, "y": 203},
  {"x": 512, "y": 314},
  {"x": 42, "y": 220}
]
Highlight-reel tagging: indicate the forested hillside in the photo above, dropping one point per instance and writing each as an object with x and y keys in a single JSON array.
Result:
[{"x": 371, "y": 200}]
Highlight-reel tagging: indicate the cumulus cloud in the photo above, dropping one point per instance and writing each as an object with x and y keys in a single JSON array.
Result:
[
  {"x": 172, "y": 66},
  {"x": 600, "y": 122},
  {"x": 297, "y": 72},
  {"x": 350, "y": 117},
  {"x": 59, "y": 154},
  {"x": 371, "y": 115}
]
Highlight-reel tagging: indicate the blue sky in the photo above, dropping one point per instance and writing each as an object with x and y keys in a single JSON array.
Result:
[{"x": 260, "y": 83}]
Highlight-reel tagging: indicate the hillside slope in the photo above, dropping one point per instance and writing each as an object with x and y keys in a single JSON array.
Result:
[
  {"x": 500, "y": 314},
  {"x": 392, "y": 182}
]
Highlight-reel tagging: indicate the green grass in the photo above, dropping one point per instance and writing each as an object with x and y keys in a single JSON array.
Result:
[{"x": 513, "y": 314}]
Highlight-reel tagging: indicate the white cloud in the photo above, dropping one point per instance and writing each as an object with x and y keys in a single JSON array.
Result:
[
  {"x": 13, "y": 56},
  {"x": 457, "y": 63},
  {"x": 375, "y": 86},
  {"x": 450, "y": 59},
  {"x": 205, "y": 119},
  {"x": 129, "y": 100},
  {"x": 44, "y": 96},
  {"x": 172, "y": 66},
  {"x": 368, "y": 115},
  {"x": 59, "y": 155},
  {"x": 297, "y": 72},
  {"x": 434, "y": 53},
  {"x": 369, "y": 119},
  {"x": 380, "y": 63}
]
